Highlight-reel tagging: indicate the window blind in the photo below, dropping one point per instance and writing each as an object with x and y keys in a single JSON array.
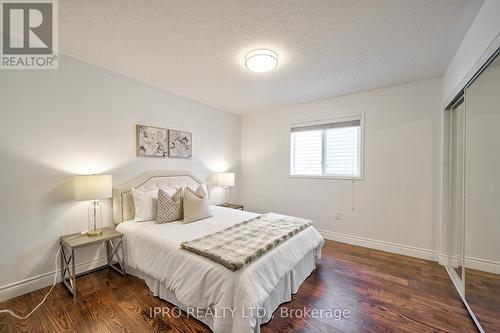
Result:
[
  {"x": 342, "y": 151},
  {"x": 329, "y": 149},
  {"x": 307, "y": 153},
  {"x": 339, "y": 124}
]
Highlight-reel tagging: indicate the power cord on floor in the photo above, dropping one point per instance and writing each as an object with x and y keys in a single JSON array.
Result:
[{"x": 13, "y": 314}]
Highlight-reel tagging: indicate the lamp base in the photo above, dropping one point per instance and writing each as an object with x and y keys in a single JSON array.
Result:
[
  {"x": 226, "y": 196},
  {"x": 95, "y": 232},
  {"x": 95, "y": 219}
]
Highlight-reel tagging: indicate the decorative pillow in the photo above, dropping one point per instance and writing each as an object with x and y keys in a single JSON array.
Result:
[
  {"x": 193, "y": 189},
  {"x": 199, "y": 191},
  {"x": 196, "y": 205},
  {"x": 169, "y": 207},
  {"x": 146, "y": 203}
]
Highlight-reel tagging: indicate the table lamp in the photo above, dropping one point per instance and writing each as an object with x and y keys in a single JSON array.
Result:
[
  {"x": 93, "y": 188},
  {"x": 225, "y": 179}
]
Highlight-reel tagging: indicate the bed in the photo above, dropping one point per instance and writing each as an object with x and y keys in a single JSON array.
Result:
[{"x": 226, "y": 301}]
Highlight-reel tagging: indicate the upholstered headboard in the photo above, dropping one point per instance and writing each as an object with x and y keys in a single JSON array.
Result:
[{"x": 123, "y": 205}]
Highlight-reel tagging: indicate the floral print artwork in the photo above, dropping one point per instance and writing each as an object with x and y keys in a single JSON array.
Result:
[
  {"x": 180, "y": 144},
  {"x": 151, "y": 141}
]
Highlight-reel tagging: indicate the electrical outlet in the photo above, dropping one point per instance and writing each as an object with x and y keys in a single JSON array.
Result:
[{"x": 338, "y": 216}]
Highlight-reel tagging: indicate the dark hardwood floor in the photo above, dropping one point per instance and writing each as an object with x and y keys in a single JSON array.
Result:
[
  {"x": 384, "y": 293},
  {"x": 483, "y": 295}
]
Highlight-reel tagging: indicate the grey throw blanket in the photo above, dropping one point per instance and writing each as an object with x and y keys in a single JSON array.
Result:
[{"x": 242, "y": 243}]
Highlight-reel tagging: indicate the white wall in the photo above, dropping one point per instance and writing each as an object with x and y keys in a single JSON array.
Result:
[
  {"x": 482, "y": 32},
  {"x": 81, "y": 119},
  {"x": 400, "y": 199}
]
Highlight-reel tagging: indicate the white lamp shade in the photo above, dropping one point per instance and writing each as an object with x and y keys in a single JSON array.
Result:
[
  {"x": 225, "y": 179},
  {"x": 93, "y": 187}
]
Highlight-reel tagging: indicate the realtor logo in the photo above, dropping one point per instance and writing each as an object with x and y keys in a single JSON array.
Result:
[{"x": 29, "y": 34}]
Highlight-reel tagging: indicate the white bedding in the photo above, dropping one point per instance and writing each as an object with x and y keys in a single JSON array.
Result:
[{"x": 154, "y": 249}]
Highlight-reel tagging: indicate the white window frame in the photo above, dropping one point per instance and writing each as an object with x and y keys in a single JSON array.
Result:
[{"x": 360, "y": 117}]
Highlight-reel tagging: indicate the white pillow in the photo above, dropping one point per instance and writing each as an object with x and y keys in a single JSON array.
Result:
[
  {"x": 196, "y": 205},
  {"x": 146, "y": 203}
]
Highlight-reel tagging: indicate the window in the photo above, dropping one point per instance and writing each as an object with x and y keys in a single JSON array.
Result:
[{"x": 331, "y": 149}]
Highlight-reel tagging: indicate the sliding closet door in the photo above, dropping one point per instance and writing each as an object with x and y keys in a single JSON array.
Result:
[
  {"x": 482, "y": 198},
  {"x": 456, "y": 190}
]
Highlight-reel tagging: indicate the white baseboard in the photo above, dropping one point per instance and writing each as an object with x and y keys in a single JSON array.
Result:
[
  {"x": 483, "y": 265},
  {"x": 28, "y": 285},
  {"x": 445, "y": 260},
  {"x": 470, "y": 262},
  {"x": 382, "y": 245}
]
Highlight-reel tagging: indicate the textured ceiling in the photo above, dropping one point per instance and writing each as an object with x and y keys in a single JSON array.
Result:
[{"x": 326, "y": 48}]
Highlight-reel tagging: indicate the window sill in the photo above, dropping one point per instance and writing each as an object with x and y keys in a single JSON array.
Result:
[{"x": 327, "y": 177}]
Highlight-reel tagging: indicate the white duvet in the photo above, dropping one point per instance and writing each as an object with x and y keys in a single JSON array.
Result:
[{"x": 154, "y": 249}]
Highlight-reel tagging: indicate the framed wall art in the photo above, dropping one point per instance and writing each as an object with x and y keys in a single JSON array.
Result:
[
  {"x": 152, "y": 141},
  {"x": 180, "y": 144}
]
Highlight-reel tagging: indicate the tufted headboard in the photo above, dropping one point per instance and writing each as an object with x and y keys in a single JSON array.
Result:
[{"x": 123, "y": 205}]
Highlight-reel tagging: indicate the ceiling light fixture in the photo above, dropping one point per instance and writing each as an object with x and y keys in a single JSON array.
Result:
[{"x": 261, "y": 60}]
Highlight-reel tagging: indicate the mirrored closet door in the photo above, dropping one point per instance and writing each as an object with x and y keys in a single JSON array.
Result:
[
  {"x": 474, "y": 196},
  {"x": 482, "y": 197}
]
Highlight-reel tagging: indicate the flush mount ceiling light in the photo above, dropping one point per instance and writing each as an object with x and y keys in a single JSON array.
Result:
[{"x": 261, "y": 60}]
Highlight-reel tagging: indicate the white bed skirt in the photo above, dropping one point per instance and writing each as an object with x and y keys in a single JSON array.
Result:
[{"x": 282, "y": 293}]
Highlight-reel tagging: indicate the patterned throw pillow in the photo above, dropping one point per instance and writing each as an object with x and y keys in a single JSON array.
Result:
[{"x": 169, "y": 207}]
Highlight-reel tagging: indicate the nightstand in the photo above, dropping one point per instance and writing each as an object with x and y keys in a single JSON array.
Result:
[
  {"x": 70, "y": 243},
  {"x": 233, "y": 206}
]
